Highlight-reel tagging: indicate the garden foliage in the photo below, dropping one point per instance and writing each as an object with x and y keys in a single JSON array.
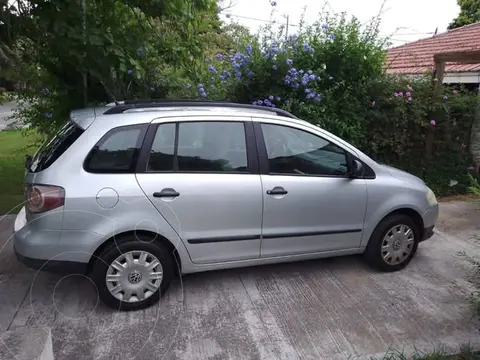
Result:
[{"x": 330, "y": 73}]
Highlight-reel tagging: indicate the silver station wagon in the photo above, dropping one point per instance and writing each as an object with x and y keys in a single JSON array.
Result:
[{"x": 135, "y": 193}]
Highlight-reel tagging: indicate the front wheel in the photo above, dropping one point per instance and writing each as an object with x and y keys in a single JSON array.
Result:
[
  {"x": 393, "y": 243},
  {"x": 132, "y": 274}
]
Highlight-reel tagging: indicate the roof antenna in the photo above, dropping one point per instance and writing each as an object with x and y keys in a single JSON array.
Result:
[
  {"x": 109, "y": 93},
  {"x": 436, "y": 31}
]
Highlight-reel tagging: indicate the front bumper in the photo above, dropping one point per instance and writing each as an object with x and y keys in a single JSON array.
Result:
[{"x": 428, "y": 233}]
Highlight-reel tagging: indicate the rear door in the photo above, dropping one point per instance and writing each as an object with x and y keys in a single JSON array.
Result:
[
  {"x": 202, "y": 176},
  {"x": 310, "y": 203}
]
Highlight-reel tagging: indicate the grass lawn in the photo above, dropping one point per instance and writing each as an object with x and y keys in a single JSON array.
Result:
[{"x": 13, "y": 147}]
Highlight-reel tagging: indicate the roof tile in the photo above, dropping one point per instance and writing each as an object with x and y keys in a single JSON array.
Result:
[{"x": 417, "y": 57}]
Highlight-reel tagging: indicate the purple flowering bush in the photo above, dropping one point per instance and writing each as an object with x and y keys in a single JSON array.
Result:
[{"x": 332, "y": 74}]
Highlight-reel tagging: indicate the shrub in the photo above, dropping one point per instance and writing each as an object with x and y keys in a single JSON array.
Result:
[{"x": 331, "y": 74}]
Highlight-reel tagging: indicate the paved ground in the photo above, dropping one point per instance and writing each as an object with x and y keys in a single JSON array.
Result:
[
  {"x": 6, "y": 110},
  {"x": 329, "y": 309}
]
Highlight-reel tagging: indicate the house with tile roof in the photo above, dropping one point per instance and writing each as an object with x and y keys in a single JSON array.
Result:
[{"x": 460, "y": 48}]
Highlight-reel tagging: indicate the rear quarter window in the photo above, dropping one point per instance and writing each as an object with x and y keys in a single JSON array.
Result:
[{"x": 117, "y": 151}]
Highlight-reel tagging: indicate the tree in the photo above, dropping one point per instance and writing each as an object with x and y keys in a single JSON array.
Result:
[{"x": 469, "y": 13}]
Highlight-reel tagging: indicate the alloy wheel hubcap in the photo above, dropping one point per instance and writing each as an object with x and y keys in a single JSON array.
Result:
[
  {"x": 134, "y": 276},
  {"x": 397, "y": 244}
]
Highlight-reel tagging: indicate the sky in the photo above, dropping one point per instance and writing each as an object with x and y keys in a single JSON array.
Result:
[{"x": 402, "y": 20}]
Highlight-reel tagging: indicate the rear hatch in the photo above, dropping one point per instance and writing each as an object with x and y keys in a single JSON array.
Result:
[{"x": 41, "y": 194}]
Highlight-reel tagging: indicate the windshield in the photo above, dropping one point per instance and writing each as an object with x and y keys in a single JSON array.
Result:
[{"x": 52, "y": 149}]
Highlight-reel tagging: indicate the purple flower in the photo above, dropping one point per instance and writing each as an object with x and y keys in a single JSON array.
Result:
[
  {"x": 308, "y": 48},
  {"x": 270, "y": 97},
  {"x": 318, "y": 78},
  {"x": 454, "y": 92},
  {"x": 279, "y": 98},
  {"x": 203, "y": 94},
  {"x": 129, "y": 71},
  {"x": 250, "y": 73},
  {"x": 139, "y": 51},
  {"x": 212, "y": 79},
  {"x": 254, "y": 103},
  {"x": 400, "y": 93},
  {"x": 266, "y": 102},
  {"x": 200, "y": 86},
  {"x": 317, "y": 98},
  {"x": 396, "y": 94},
  {"x": 304, "y": 82},
  {"x": 471, "y": 168},
  {"x": 408, "y": 94},
  {"x": 310, "y": 95},
  {"x": 188, "y": 86},
  {"x": 307, "y": 91},
  {"x": 325, "y": 26},
  {"x": 45, "y": 91},
  {"x": 331, "y": 36},
  {"x": 273, "y": 3},
  {"x": 238, "y": 75},
  {"x": 312, "y": 77},
  {"x": 286, "y": 102},
  {"x": 260, "y": 102},
  {"x": 248, "y": 48},
  {"x": 212, "y": 69},
  {"x": 219, "y": 56},
  {"x": 47, "y": 115},
  {"x": 274, "y": 67},
  {"x": 409, "y": 98},
  {"x": 433, "y": 122}
]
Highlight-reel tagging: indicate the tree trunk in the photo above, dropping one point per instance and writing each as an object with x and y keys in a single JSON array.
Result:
[{"x": 475, "y": 135}]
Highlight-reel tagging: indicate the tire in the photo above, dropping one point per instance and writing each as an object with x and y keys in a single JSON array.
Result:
[
  {"x": 375, "y": 253},
  {"x": 136, "y": 275}
]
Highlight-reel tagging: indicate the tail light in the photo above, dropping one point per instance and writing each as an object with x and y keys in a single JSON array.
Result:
[{"x": 41, "y": 198}]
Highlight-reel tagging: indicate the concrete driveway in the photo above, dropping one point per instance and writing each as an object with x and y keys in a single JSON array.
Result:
[
  {"x": 6, "y": 110},
  {"x": 328, "y": 309}
]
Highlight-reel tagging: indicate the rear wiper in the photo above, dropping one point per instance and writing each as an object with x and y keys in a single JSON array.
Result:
[{"x": 28, "y": 161}]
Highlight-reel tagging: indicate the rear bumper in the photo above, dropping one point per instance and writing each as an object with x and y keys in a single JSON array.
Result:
[
  {"x": 54, "y": 266},
  {"x": 41, "y": 250}
]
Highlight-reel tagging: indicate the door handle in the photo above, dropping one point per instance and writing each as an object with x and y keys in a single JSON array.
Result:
[
  {"x": 277, "y": 190},
  {"x": 169, "y": 192}
]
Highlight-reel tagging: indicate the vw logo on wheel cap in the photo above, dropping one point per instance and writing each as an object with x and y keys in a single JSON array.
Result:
[{"x": 135, "y": 277}]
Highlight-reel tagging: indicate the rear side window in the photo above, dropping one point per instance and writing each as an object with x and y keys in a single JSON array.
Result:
[
  {"x": 117, "y": 151},
  {"x": 200, "y": 147},
  {"x": 52, "y": 149}
]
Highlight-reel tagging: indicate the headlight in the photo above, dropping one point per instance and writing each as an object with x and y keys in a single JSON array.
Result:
[{"x": 431, "y": 199}]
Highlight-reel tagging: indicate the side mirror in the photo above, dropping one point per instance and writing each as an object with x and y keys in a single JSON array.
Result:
[{"x": 357, "y": 169}]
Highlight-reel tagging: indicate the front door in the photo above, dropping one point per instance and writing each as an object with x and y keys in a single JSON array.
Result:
[
  {"x": 199, "y": 177},
  {"x": 310, "y": 203}
]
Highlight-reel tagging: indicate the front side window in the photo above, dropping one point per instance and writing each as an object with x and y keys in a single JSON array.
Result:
[
  {"x": 298, "y": 152},
  {"x": 201, "y": 147},
  {"x": 117, "y": 151}
]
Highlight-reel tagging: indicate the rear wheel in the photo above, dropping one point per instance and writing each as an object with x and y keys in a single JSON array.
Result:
[
  {"x": 132, "y": 274},
  {"x": 393, "y": 243}
]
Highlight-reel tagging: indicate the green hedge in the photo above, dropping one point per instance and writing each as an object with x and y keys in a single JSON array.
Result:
[{"x": 332, "y": 75}]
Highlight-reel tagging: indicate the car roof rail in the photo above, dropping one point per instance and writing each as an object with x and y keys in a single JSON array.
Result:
[{"x": 153, "y": 103}]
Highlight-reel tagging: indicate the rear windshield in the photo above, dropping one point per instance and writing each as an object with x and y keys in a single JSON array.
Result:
[{"x": 52, "y": 149}]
